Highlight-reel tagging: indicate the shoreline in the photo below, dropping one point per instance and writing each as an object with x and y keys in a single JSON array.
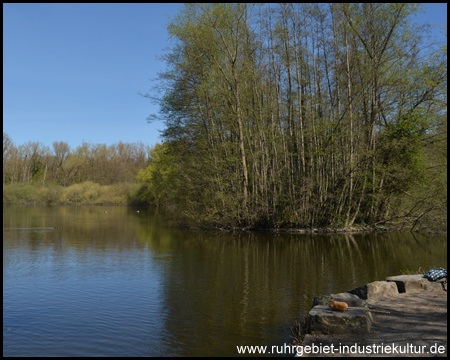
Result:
[
  {"x": 304, "y": 231},
  {"x": 324, "y": 230}
]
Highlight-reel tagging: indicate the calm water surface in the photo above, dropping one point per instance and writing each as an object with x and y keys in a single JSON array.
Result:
[{"x": 123, "y": 283}]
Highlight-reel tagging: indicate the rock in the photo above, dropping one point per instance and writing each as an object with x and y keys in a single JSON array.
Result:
[
  {"x": 322, "y": 300},
  {"x": 417, "y": 316},
  {"x": 408, "y": 283},
  {"x": 414, "y": 319},
  {"x": 443, "y": 283},
  {"x": 375, "y": 289},
  {"x": 322, "y": 320},
  {"x": 352, "y": 300}
]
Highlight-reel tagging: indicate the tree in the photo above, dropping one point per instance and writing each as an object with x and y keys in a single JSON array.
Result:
[
  {"x": 292, "y": 115},
  {"x": 159, "y": 176}
]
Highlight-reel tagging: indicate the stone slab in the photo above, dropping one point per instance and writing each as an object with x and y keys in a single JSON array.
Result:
[
  {"x": 352, "y": 300},
  {"x": 416, "y": 318},
  {"x": 409, "y": 283},
  {"x": 375, "y": 290},
  {"x": 322, "y": 320}
]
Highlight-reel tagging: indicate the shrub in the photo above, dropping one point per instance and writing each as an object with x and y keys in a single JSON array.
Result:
[{"x": 83, "y": 193}]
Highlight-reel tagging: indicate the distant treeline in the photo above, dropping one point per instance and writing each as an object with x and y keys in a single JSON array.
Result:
[
  {"x": 34, "y": 163},
  {"x": 88, "y": 174},
  {"x": 302, "y": 115}
]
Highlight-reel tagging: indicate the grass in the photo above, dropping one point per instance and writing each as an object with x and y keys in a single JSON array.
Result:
[
  {"x": 419, "y": 271},
  {"x": 299, "y": 330}
]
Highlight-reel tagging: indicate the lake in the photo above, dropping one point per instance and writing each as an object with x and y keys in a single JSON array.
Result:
[{"x": 111, "y": 281}]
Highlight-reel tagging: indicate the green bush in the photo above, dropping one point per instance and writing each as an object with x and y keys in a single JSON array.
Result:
[
  {"x": 113, "y": 194},
  {"x": 84, "y": 193},
  {"x": 73, "y": 194},
  {"x": 20, "y": 194},
  {"x": 53, "y": 194},
  {"x": 132, "y": 194}
]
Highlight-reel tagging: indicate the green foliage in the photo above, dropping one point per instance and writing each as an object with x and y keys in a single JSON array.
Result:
[
  {"x": 158, "y": 179},
  {"x": 87, "y": 193},
  {"x": 401, "y": 151},
  {"x": 52, "y": 194},
  {"x": 297, "y": 115},
  {"x": 20, "y": 194}
]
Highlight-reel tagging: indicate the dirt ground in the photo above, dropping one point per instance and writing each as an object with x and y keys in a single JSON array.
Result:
[{"x": 416, "y": 326}]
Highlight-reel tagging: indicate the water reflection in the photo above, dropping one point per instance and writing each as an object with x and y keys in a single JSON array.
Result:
[
  {"x": 124, "y": 283},
  {"x": 249, "y": 286}
]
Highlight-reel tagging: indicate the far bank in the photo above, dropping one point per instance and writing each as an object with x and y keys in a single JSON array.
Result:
[{"x": 136, "y": 194}]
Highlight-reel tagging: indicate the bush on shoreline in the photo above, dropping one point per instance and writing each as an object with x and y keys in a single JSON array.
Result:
[{"x": 86, "y": 193}]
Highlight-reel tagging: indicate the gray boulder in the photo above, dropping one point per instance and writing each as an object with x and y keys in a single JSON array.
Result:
[{"x": 375, "y": 290}]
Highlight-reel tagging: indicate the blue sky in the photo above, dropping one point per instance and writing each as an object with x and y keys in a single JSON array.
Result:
[{"x": 72, "y": 72}]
